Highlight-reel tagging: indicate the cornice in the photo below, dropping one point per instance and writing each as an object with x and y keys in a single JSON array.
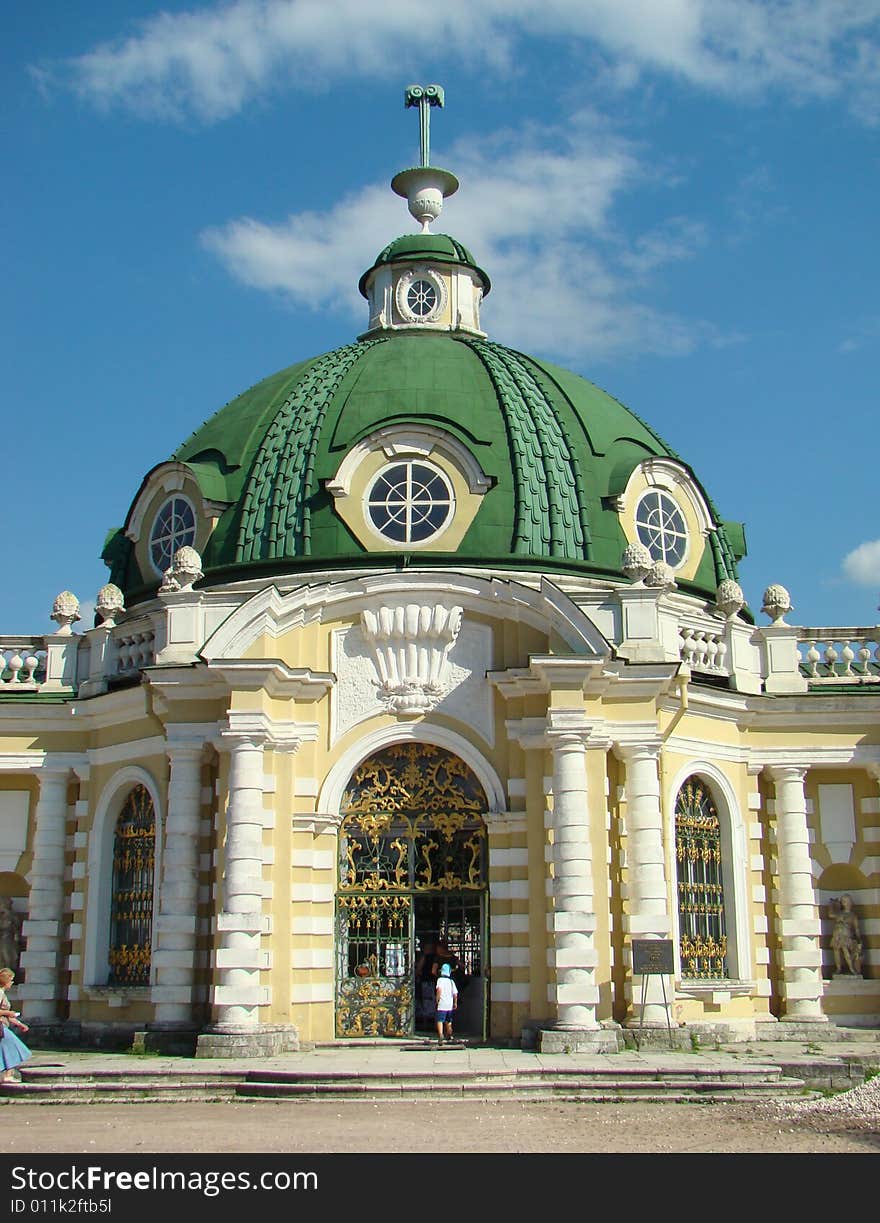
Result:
[{"x": 274, "y": 677}]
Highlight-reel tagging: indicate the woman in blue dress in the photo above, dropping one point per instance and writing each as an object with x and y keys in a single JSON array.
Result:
[{"x": 12, "y": 1051}]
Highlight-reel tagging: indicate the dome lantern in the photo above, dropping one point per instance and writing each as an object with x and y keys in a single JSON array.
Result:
[{"x": 426, "y": 281}]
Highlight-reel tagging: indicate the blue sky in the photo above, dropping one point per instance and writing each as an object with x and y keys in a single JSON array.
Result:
[{"x": 676, "y": 198}]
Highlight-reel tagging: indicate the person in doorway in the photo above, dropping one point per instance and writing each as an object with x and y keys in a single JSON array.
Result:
[
  {"x": 446, "y": 996},
  {"x": 12, "y": 1051}
]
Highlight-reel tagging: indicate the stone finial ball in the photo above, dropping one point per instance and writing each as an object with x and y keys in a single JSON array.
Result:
[
  {"x": 186, "y": 560},
  {"x": 777, "y": 601},
  {"x": 729, "y": 597},
  {"x": 66, "y": 604},
  {"x": 660, "y": 575},
  {"x": 110, "y": 598},
  {"x": 636, "y": 560}
]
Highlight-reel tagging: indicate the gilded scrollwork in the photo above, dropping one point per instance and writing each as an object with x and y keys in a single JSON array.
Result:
[
  {"x": 702, "y": 941},
  {"x": 411, "y": 823}
]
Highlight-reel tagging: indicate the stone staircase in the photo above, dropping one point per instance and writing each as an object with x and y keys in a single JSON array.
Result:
[{"x": 611, "y": 1084}]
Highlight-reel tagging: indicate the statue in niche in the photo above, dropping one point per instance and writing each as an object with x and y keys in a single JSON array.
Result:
[
  {"x": 10, "y": 934},
  {"x": 846, "y": 937}
]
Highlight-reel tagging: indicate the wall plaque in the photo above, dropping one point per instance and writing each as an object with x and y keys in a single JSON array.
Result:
[{"x": 652, "y": 955}]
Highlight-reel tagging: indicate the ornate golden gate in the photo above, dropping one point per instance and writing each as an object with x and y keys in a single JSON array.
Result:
[{"x": 412, "y": 831}]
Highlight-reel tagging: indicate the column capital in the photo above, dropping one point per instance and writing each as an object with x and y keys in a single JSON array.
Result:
[
  {"x": 786, "y": 772},
  {"x": 566, "y": 727},
  {"x": 184, "y": 739},
  {"x": 259, "y": 730},
  {"x": 647, "y": 747},
  {"x": 62, "y": 764}
]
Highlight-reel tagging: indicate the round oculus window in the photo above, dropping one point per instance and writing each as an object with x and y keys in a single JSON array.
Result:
[
  {"x": 421, "y": 298},
  {"x": 410, "y": 502},
  {"x": 174, "y": 527},
  {"x": 661, "y": 528}
]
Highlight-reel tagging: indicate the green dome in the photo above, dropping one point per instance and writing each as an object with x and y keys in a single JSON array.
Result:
[
  {"x": 557, "y": 451},
  {"x": 435, "y": 248}
]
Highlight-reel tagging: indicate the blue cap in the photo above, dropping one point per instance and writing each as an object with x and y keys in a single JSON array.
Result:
[{"x": 445, "y": 970}]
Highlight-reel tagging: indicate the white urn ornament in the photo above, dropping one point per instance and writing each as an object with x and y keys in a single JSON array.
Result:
[
  {"x": 777, "y": 601},
  {"x": 185, "y": 568},
  {"x": 729, "y": 598},
  {"x": 65, "y": 611},
  {"x": 109, "y": 604},
  {"x": 636, "y": 562},
  {"x": 660, "y": 575}
]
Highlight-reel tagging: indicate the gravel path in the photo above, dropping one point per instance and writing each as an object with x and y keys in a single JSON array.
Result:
[{"x": 843, "y": 1124}]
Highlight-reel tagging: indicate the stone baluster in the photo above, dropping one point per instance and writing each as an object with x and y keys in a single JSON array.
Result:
[
  {"x": 574, "y": 920},
  {"x": 175, "y": 929},
  {"x": 801, "y": 955},
  {"x": 43, "y": 926},
  {"x": 646, "y": 868}
]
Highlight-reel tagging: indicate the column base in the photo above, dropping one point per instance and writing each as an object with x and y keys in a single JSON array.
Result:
[
  {"x": 247, "y": 1040},
  {"x": 578, "y": 1040},
  {"x": 173, "y": 1039}
]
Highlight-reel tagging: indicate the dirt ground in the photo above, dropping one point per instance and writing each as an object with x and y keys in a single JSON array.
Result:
[{"x": 321, "y": 1126}]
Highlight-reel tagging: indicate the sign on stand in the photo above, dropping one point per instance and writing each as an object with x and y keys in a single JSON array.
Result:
[{"x": 653, "y": 957}]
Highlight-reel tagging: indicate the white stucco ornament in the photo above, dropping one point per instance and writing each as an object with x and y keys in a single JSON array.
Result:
[
  {"x": 777, "y": 601},
  {"x": 65, "y": 611},
  {"x": 410, "y": 646},
  {"x": 636, "y": 562},
  {"x": 109, "y": 604},
  {"x": 660, "y": 575},
  {"x": 185, "y": 568},
  {"x": 729, "y": 598}
]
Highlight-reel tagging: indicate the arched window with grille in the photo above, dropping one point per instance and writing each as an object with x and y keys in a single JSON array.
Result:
[
  {"x": 131, "y": 904},
  {"x": 701, "y": 910}
]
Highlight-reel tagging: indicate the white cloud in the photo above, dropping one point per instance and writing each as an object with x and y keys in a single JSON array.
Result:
[
  {"x": 538, "y": 215},
  {"x": 864, "y": 335},
  {"x": 862, "y": 565},
  {"x": 210, "y": 61}
]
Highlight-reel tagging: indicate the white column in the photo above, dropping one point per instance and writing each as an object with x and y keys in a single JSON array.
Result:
[
  {"x": 43, "y": 926},
  {"x": 238, "y": 995},
  {"x": 646, "y": 869},
  {"x": 574, "y": 920},
  {"x": 801, "y": 954},
  {"x": 174, "y": 931}
]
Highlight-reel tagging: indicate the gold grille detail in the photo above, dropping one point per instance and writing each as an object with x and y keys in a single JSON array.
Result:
[
  {"x": 701, "y": 919},
  {"x": 131, "y": 911}
]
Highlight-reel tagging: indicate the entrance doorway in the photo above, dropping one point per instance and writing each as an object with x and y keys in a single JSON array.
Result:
[
  {"x": 412, "y": 874},
  {"x": 451, "y": 928}
]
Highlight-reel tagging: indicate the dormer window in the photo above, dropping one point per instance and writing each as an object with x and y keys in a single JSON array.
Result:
[
  {"x": 663, "y": 508},
  {"x": 410, "y": 502},
  {"x": 661, "y": 527},
  {"x": 409, "y": 487},
  {"x": 173, "y": 527}
]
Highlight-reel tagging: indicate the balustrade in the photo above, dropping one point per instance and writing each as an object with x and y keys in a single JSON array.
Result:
[
  {"x": 22, "y": 663},
  {"x": 840, "y": 655},
  {"x": 703, "y": 649},
  {"x": 135, "y": 648}
]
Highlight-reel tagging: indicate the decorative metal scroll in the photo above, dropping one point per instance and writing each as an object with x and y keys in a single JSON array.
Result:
[
  {"x": 411, "y": 825},
  {"x": 131, "y": 912},
  {"x": 702, "y": 933},
  {"x": 412, "y": 820}
]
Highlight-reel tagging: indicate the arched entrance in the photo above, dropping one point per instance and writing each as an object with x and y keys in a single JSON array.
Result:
[{"x": 412, "y": 872}]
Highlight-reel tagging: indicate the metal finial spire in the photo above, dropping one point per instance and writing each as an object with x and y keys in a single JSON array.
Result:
[
  {"x": 424, "y": 96},
  {"x": 424, "y": 186}
]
